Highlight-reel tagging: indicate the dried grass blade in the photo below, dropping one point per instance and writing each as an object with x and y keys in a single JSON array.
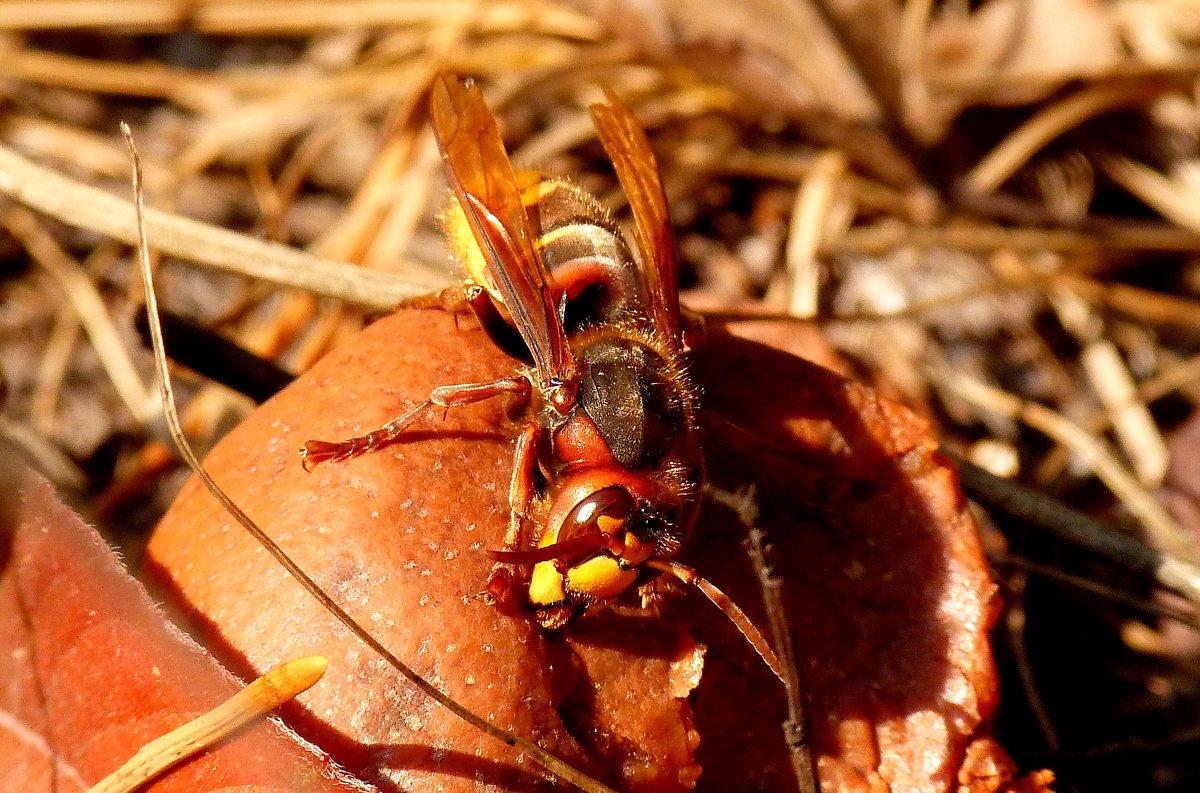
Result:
[
  {"x": 84, "y": 206},
  {"x": 86, "y": 302},
  {"x": 1166, "y": 533}
]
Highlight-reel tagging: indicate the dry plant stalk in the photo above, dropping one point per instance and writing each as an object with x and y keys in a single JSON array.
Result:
[
  {"x": 260, "y": 697},
  {"x": 87, "y": 207}
]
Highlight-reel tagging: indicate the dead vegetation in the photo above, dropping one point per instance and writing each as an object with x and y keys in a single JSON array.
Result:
[{"x": 991, "y": 210}]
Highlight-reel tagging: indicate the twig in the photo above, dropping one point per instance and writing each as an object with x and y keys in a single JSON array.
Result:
[
  {"x": 1158, "y": 523},
  {"x": 953, "y": 81},
  {"x": 47, "y": 14},
  {"x": 884, "y": 237},
  {"x": 304, "y": 17},
  {"x": 1066, "y": 524},
  {"x": 376, "y": 195},
  {"x": 797, "y": 729},
  {"x": 213, "y": 356},
  {"x": 52, "y": 370},
  {"x": 1146, "y": 306},
  {"x": 1171, "y": 379},
  {"x": 875, "y": 65},
  {"x": 1115, "y": 750},
  {"x": 47, "y": 458},
  {"x": 910, "y": 65},
  {"x": 816, "y": 202},
  {"x": 1096, "y": 588},
  {"x": 1174, "y": 201},
  {"x": 1113, "y": 384},
  {"x": 1015, "y": 623}
]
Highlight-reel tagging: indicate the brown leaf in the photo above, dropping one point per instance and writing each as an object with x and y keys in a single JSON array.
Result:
[
  {"x": 779, "y": 52},
  {"x": 93, "y": 671},
  {"x": 888, "y": 596},
  {"x": 786, "y": 58},
  {"x": 1014, "y": 52}
]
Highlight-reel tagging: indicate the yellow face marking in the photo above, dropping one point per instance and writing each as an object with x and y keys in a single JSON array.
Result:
[
  {"x": 609, "y": 525},
  {"x": 635, "y": 551},
  {"x": 546, "y": 585},
  {"x": 599, "y": 578}
]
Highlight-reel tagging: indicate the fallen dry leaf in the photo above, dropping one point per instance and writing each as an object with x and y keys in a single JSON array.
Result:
[
  {"x": 1010, "y": 52},
  {"x": 93, "y": 671},
  {"x": 780, "y": 53},
  {"x": 785, "y": 58}
]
